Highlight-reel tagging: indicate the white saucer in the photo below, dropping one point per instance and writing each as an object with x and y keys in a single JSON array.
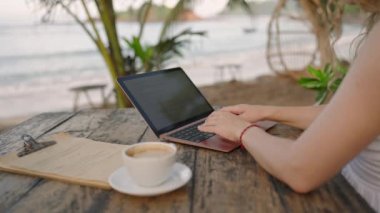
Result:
[{"x": 122, "y": 182}]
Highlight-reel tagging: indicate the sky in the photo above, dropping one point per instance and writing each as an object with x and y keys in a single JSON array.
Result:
[
  {"x": 27, "y": 12},
  {"x": 14, "y": 12},
  {"x": 17, "y": 12}
]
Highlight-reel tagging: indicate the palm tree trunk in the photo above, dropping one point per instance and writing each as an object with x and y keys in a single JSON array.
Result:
[{"x": 107, "y": 15}]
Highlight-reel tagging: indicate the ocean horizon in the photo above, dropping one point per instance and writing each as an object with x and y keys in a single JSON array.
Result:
[{"x": 40, "y": 63}]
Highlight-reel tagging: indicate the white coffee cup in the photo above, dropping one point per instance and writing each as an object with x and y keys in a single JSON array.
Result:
[{"x": 149, "y": 163}]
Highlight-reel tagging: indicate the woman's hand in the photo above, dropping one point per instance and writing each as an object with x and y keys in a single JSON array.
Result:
[
  {"x": 249, "y": 113},
  {"x": 224, "y": 124}
]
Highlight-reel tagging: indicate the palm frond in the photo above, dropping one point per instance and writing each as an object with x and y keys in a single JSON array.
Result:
[
  {"x": 173, "y": 16},
  {"x": 243, "y": 4},
  {"x": 143, "y": 14}
]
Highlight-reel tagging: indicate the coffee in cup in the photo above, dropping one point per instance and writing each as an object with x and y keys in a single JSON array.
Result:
[{"x": 149, "y": 163}]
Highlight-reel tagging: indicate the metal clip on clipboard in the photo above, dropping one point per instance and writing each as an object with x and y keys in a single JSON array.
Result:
[{"x": 31, "y": 145}]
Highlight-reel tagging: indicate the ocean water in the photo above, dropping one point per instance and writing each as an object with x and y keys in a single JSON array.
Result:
[{"x": 40, "y": 63}]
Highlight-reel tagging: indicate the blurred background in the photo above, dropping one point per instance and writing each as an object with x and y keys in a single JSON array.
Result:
[{"x": 47, "y": 58}]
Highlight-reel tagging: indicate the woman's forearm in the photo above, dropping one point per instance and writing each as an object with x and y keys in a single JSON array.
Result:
[
  {"x": 276, "y": 155},
  {"x": 300, "y": 117}
]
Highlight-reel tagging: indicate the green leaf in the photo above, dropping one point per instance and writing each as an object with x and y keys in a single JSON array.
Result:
[
  {"x": 129, "y": 43},
  {"x": 170, "y": 47},
  {"x": 341, "y": 69},
  {"x": 327, "y": 75},
  {"x": 167, "y": 47},
  {"x": 310, "y": 83},
  {"x": 335, "y": 85},
  {"x": 315, "y": 72},
  {"x": 148, "y": 53},
  {"x": 321, "y": 96},
  {"x": 327, "y": 69},
  {"x": 137, "y": 47},
  {"x": 324, "y": 81}
]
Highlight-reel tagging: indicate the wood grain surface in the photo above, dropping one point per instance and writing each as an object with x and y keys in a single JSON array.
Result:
[
  {"x": 73, "y": 160},
  {"x": 221, "y": 182}
]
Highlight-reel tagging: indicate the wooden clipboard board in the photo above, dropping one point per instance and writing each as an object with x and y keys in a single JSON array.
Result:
[{"x": 74, "y": 160}]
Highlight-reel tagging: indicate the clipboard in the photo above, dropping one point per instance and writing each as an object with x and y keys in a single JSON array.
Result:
[{"x": 73, "y": 160}]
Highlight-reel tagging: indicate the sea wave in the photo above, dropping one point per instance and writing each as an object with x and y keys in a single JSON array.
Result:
[
  {"x": 39, "y": 65},
  {"x": 49, "y": 55}
]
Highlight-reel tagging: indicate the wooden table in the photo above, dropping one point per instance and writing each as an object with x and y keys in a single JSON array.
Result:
[{"x": 221, "y": 182}]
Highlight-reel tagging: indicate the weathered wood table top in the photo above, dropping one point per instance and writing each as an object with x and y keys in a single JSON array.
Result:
[{"x": 221, "y": 182}]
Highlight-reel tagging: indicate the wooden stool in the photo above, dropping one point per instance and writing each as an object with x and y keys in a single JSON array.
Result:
[
  {"x": 232, "y": 69},
  {"x": 85, "y": 89}
]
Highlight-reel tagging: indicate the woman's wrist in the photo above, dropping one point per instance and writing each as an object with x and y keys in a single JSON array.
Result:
[
  {"x": 249, "y": 133},
  {"x": 269, "y": 112},
  {"x": 242, "y": 132}
]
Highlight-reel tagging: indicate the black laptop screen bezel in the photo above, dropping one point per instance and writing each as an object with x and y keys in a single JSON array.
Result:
[{"x": 124, "y": 80}]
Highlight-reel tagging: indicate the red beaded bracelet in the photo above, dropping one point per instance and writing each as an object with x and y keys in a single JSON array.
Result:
[{"x": 243, "y": 132}]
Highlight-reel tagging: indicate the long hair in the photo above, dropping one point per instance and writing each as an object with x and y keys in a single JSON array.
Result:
[
  {"x": 372, "y": 20},
  {"x": 372, "y": 7}
]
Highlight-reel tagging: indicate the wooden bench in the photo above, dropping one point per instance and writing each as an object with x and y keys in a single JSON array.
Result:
[
  {"x": 85, "y": 89},
  {"x": 232, "y": 69}
]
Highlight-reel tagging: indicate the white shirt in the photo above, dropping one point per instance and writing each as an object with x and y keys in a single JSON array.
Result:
[{"x": 363, "y": 173}]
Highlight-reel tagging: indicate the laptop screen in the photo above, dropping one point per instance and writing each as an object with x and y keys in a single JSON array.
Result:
[{"x": 166, "y": 99}]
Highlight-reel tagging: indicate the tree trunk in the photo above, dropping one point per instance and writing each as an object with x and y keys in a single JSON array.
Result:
[
  {"x": 107, "y": 15},
  {"x": 321, "y": 30},
  {"x": 326, "y": 51}
]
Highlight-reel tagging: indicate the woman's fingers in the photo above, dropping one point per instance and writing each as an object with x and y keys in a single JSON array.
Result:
[
  {"x": 206, "y": 128},
  {"x": 224, "y": 124},
  {"x": 249, "y": 113},
  {"x": 236, "y": 109},
  {"x": 210, "y": 123}
]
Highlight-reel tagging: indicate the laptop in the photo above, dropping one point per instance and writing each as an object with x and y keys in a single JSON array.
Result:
[{"x": 173, "y": 107}]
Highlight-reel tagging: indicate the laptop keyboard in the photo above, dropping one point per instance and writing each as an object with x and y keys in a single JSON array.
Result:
[{"x": 191, "y": 133}]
